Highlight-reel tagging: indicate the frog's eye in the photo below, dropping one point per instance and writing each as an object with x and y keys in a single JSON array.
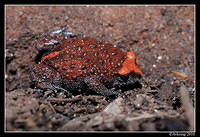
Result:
[
  {"x": 124, "y": 77},
  {"x": 130, "y": 65}
]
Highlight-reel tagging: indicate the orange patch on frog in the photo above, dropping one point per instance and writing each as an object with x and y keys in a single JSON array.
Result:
[
  {"x": 51, "y": 55},
  {"x": 129, "y": 65}
]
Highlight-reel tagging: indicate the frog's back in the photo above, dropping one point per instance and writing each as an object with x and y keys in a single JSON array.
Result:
[{"x": 79, "y": 56}]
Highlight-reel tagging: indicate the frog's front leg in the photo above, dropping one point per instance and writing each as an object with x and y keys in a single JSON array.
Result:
[
  {"x": 94, "y": 84},
  {"x": 45, "y": 77}
]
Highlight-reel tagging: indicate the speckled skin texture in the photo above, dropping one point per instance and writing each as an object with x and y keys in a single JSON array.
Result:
[{"x": 75, "y": 62}]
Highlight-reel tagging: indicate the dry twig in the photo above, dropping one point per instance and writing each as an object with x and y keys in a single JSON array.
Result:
[
  {"x": 76, "y": 98},
  {"x": 182, "y": 76}
]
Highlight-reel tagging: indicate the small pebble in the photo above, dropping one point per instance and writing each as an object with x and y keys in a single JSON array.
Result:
[
  {"x": 159, "y": 57},
  {"x": 139, "y": 101}
]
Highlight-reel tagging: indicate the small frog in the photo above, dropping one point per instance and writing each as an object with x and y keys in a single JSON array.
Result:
[{"x": 73, "y": 62}]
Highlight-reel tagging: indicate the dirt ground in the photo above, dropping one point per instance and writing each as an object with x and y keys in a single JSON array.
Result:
[{"x": 162, "y": 38}]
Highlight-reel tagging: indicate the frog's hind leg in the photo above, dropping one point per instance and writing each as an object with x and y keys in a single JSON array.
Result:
[
  {"x": 56, "y": 37},
  {"x": 44, "y": 77},
  {"x": 72, "y": 34},
  {"x": 59, "y": 30},
  {"x": 66, "y": 34},
  {"x": 47, "y": 85},
  {"x": 62, "y": 89}
]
